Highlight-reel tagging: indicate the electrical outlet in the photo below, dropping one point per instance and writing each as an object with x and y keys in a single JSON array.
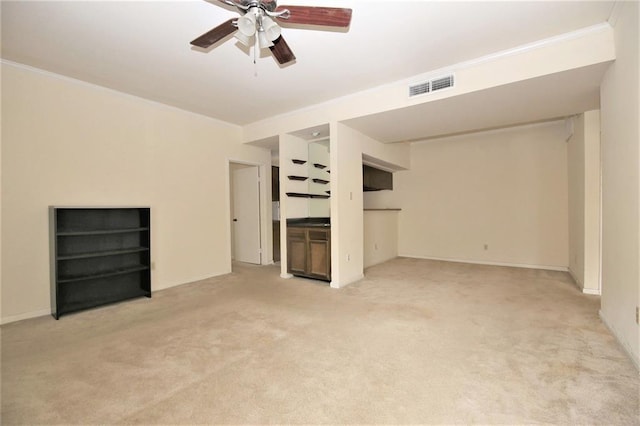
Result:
[
  {"x": 375, "y": 246},
  {"x": 637, "y": 315},
  {"x": 348, "y": 258},
  {"x": 486, "y": 246}
]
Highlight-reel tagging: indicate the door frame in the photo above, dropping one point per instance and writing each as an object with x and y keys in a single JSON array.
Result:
[{"x": 263, "y": 212}]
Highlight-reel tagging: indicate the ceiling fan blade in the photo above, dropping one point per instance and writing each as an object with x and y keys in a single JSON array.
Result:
[
  {"x": 281, "y": 51},
  {"x": 324, "y": 16},
  {"x": 216, "y": 34}
]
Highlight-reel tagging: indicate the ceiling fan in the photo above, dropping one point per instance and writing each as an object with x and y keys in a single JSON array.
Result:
[{"x": 260, "y": 19}]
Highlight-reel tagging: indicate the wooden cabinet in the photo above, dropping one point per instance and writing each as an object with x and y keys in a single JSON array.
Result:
[
  {"x": 375, "y": 179},
  {"x": 98, "y": 256},
  {"x": 309, "y": 252},
  {"x": 297, "y": 251}
]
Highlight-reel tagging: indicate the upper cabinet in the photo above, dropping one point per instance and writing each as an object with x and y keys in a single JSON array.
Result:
[{"x": 375, "y": 179}]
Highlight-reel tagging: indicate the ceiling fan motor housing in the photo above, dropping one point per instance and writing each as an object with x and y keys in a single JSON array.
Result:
[{"x": 268, "y": 5}]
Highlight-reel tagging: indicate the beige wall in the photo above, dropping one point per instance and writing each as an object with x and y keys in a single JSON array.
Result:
[
  {"x": 592, "y": 202},
  {"x": 347, "y": 242},
  {"x": 584, "y": 201},
  {"x": 380, "y": 236},
  {"x": 319, "y": 153},
  {"x": 576, "y": 166},
  {"x": 291, "y": 147},
  {"x": 385, "y": 199},
  {"x": 620, "y": 112},
  {"x": 69, "y": 143},
  {"x": 506, "y": 189},
  {"x": 1, "y": 173},
  {"x": 347, "y": 217}
]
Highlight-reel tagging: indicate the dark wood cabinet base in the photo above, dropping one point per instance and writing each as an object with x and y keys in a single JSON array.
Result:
[{"x": 309, "y": 252}]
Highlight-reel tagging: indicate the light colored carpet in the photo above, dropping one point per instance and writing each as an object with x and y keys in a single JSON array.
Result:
[{"x": 415, "y": 342}]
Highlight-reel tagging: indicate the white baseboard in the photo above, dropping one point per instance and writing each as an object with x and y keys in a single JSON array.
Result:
[
  {"x": 623, "y": 344},
  {"x": 482, "y": 262},
  {"x": 190, "y": 280},
  {"x": 357, "y": 278},
  {"x": 26, "y": 315},
  {"x": 580, "y": 285}
]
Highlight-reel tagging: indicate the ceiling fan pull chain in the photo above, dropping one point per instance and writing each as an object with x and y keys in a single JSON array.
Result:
[
  {"x": 255, "y": 55},
  {"x": 255, "y": 50}
]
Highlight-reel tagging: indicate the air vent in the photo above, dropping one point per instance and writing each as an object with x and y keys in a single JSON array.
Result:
[
  {"x": 419, "y": 89},
  {"x": 431, "y": 85},
  {"x": 441, "y": 83}
]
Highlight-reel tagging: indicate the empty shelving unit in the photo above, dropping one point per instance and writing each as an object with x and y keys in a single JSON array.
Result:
[{"x": 98, "y": 256}]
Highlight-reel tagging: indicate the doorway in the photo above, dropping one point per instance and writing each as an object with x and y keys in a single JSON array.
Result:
[{"x": 244, "y": 180}]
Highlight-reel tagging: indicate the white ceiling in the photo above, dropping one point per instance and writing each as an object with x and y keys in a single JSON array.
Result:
[{"x": 142, "y": 48}]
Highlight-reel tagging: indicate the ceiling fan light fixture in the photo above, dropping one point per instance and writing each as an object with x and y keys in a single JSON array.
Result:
[
  {"x": 247, "y": 23},
  {"x": 243, "y": 39},
  {"x": 263, "y": 40},
  {"x": 270, "y": 28},
  {"x": 263, "y": 17}
]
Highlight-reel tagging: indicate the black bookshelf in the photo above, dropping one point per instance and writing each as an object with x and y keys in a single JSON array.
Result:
[{"x": 98, "y": 256}]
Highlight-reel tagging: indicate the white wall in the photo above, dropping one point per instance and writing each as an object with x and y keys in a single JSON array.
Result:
[
  {"x": 584, "y": 201},
  {"x": 1, "y": 174},
  {"x": 347, "y": 146},
  {"x": 593, "y": 203},
  {"x": 620, "y": 112},
  {"x": 380, "y": 236},
  {"x": 576, "y": 166},
  {"x": 292, "y": 147},
  {"x": 504, "y": 188},
  {"x": 346, "y": 205},
  {"x": 70, "y": 143},
  {"x": 319, "y": 153},
  {"x": 385, "y": 199}
]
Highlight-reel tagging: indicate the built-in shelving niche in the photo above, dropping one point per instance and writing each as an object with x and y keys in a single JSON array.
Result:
[{"x": 311, "y": 194}]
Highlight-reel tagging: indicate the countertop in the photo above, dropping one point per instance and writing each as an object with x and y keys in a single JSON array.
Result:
[
  {"x": 382, "y": 210},
  {"x": 321, "y": 222}
]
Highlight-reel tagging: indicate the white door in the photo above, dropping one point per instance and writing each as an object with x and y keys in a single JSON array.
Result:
[{"x": 246, "y": 213}]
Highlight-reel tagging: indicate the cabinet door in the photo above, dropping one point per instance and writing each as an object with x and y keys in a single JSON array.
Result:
[
  {"x": 375, "y": 179},
  {"x": 366, "y": 176},
  {"x": 296, "y": 251},
  {"x": 319, "y": 252},
  {"x": 382, "y": 179}
]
